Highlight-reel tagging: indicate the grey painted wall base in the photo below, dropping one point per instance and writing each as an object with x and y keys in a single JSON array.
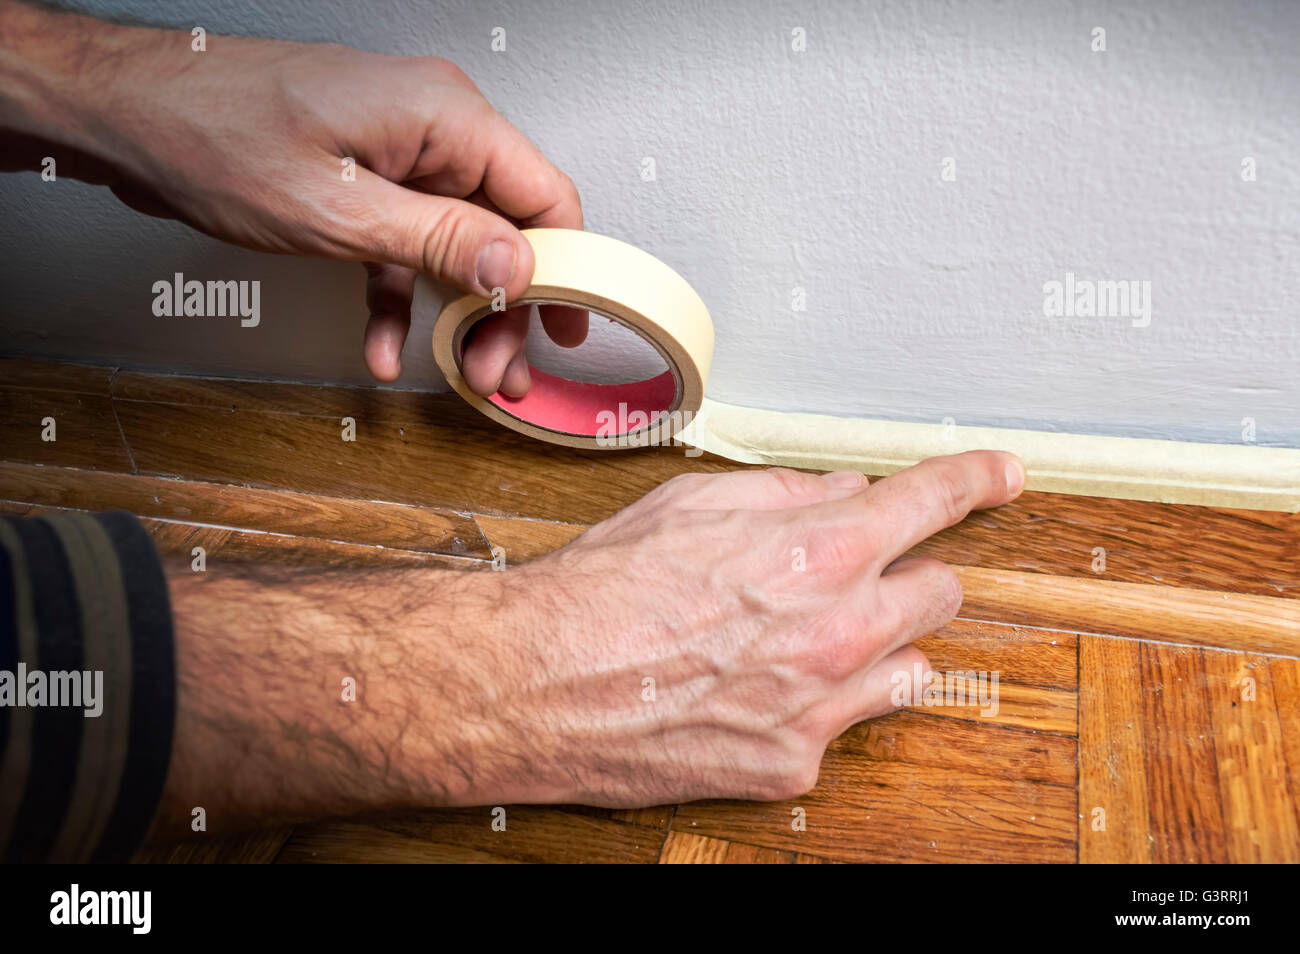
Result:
[{"x": 871, "y": 220}]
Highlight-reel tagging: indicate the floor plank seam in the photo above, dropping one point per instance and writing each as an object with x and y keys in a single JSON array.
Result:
[
  {"x": 1078, "y": 750},
  {"x": 284, "y": 845},
  {"x": 121, "y": 431},
  {"x": 1224, "y": 820},
  {"x": 668, "y": 830},
  {"x": 663, "y": 843},
  {"x": 1148, "y": 770}
]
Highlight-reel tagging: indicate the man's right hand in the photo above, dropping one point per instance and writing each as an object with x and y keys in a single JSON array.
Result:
[{"x": 770, "y": 608}]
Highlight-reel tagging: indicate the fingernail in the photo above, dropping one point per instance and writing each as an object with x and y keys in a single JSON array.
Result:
[
  {"x": 846, "y": 479},
  {"x": 495, "y": 266},
  {"x": 1015, "y": 477}
]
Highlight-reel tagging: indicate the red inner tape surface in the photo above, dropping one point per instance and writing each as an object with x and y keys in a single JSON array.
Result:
[{"x": 590, "y": 410}]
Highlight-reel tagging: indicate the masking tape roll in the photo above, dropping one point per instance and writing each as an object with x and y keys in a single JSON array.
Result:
[
  {"x": 612, "y": 278},
  {"x": 617, "y": 280}
]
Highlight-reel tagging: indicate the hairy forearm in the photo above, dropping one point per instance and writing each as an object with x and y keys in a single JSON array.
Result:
[{"x": 304, "y": 694}]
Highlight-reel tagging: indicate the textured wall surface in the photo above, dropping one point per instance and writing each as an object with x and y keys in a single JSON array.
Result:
[{"x": 820, "y": 170}]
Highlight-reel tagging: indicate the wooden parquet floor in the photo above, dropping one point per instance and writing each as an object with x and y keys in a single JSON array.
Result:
[{"x": 1149, "y": 711}]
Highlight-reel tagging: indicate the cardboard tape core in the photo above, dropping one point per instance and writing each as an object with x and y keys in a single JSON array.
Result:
[
  {"x": 620, "y": 282},
  {"x": 583, "y": 408}
]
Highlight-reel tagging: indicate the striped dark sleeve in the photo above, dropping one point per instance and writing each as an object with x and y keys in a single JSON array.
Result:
[{"x": 87, "y": 686}]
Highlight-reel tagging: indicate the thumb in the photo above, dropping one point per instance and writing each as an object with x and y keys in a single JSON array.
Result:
[{"x": 448, "y": 239}]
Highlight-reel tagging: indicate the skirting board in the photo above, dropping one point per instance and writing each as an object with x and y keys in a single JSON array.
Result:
[
  {"x": 1157, "y": 612},
  {"x": 1220, "y": 475}
]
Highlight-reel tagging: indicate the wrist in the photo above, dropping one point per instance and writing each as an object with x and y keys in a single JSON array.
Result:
[
  {"x": 481, "y": 665},
  {"x": 72, "y": 80}
]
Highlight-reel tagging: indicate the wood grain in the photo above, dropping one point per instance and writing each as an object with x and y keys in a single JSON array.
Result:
[
  {"x": 1258, "y": 804},
  {"x": 1114, "y": 817},
  {"x": 1285, "y": 676},
  {"x": 684, "y": 849},
  {"x": 1036, "y": 672},
  {"x": 920, "y": 785},
  {"x": 463, "y": 468},
  {"x": 524, "y": 540},
  {"x": 259, "y": 847},
  {"x": 1183, "y": 790},
  {"x": 655, "y": 816},
  {"x": 911, "y": 787},
  {"x": 279, "y": 397},
  {"x": 333, "y": 518},
  {"x": 1184, "y": 749},
  {"x": 532, "y": 835},
  {"x": 1207, "y": 548},
  {"x": 86, "y": 430},
  {"x": 28, "y": 374},
  {"x": 177, "y": 541},
  {"x": 1164, "y": 613}
]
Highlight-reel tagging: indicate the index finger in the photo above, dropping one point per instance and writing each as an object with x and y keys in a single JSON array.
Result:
[
  {"x": 523, "y": 184},
  {"x": 494, "y": 157},
  {"x": 933, "y": 495}
]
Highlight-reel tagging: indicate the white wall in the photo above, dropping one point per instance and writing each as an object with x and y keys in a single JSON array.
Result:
[{"x": 818, "y": 170}]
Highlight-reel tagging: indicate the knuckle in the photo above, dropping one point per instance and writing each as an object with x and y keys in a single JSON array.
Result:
[
  {"x": 886, "y": 619},
  {"x": 950, "y": 494},
  {"x": 788, "y": 766},
  {"x": 949, "y": 590},
  {"x": 568, "y": 186},
  {"x": 787, "y": 481},
  {"x": 441, "y": 241},
  {"x": 440, "y": 69},
  {"x": 915, "y": 658},
  {"x": 797, "y": 779},
  {"x": 676, "y": 492},
  {"x": 838, "y": 650},
  {"x": 684, "y": 485},
  {"x": 836, "y": 549}
]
